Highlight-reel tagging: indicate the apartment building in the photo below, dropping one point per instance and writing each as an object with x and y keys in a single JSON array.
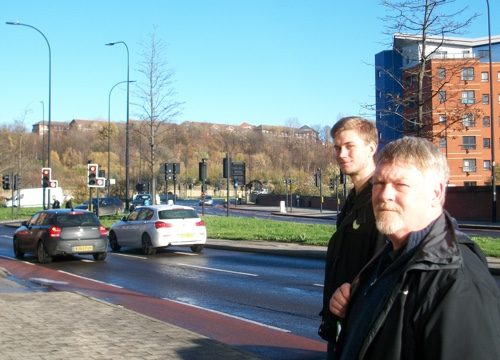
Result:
[{"x": 441, "y": 90}]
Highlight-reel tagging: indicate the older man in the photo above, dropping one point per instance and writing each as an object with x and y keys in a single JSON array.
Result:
[{"x": 428, "y": 294}]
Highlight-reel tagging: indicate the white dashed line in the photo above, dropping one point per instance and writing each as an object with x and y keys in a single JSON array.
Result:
[
  {"x": 215, "y": 269},
  {"x": 230, "y": 316},
  {"x": 86, "y": 278}
]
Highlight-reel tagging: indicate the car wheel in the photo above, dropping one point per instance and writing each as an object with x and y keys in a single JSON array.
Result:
[
  {"x": 99, "y": 256},
  {"x": 196, "y": 248},
  {"x": 17, "y": 253},
  {"x": 147, "y": 246},
  {"x": 42, "y": 254},
  {"x": 113, "y": 242}
]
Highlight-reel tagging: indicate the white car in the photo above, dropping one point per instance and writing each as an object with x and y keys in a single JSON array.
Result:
[{"x": 156, "y": 226}]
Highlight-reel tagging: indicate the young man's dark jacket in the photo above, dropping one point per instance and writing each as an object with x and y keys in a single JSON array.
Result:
[
  {"x": 445, "y": 304},
  {"x": 351, "y": 246}
]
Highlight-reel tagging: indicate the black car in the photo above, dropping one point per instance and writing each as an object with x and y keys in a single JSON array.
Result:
[
  {"x": 60, "y": 232},
  {"x": 107, "y": 206},
  {"x": 141, "y": 200}
]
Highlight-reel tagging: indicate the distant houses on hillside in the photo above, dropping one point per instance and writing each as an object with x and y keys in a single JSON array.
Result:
[{"x": 304, "y": 132}]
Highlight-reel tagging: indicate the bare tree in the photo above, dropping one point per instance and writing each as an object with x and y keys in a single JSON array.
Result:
[
  {"x": 428, "y": 21},
  {"x": 157, "y": 97}
]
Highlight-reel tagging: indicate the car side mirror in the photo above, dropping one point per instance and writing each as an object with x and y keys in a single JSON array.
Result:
[{"x": 24, "y": 223}]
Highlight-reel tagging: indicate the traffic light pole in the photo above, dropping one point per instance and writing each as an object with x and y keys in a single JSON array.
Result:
[{"x": 12, "y": 197}]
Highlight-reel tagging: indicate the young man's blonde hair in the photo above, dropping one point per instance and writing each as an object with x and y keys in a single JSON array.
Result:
[{"x": 366, "y": 129}]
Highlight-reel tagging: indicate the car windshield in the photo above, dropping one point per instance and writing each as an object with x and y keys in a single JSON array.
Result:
[
  {"x": 76, "y": 219},
  {"x": 177, "y": 214}
]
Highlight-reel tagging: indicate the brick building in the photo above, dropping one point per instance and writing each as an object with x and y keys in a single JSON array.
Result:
[{"x": 453, "y": 108}]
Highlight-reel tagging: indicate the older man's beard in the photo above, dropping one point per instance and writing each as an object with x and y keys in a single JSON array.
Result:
[{"x": 388, "y": 218}]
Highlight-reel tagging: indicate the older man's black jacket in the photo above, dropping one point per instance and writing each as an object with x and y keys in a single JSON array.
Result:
[{"x": 445, "y": 306}]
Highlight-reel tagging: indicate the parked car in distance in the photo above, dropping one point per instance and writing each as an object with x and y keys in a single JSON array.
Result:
[
  {"x": 165, "y": 198},
  {"x": 107, "y": 206},
  {"x": 207, "y": 200},
  {"x": 141, "y": 200},
  {"x": 157, "y": 226},
  {"x": 53, "y": 232}
]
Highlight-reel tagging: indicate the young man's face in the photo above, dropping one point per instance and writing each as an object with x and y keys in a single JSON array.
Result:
[
  {"x": 404, "y": 198},
  {"x": 352, "y": 153}
]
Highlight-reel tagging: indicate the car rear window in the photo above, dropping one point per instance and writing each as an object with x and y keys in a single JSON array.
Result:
[
  {"x": 177, "y": 214},
  {"x": 77, "y": 219}
]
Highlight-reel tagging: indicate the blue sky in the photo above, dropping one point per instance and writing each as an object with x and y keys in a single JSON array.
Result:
[{"x": 255, "y": 61}]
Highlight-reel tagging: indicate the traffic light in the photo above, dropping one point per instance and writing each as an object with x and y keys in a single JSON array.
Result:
[
  {"x": 17, "y": 182},
  {"x": 92, "y": 171},
  {"x": 46, "y": 176},
  {"x": 6, "y": 182},
  {"x": 226, "y": 167},
  {"x": 317, "y": 178},
  {"x": 332, "y": 183},
  {"x": 202, "y": 169},
  {"x": 169, "y": 171}
]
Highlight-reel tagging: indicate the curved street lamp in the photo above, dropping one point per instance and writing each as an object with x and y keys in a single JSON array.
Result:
[
  {"x": 126, "y": 125},
  {"x": 50, "y": 92},
  {"x": 109, "y": 130},
  {"x": 43, "y": 133}
]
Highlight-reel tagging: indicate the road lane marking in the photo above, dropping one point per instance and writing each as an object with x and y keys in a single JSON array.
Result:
[
  {"x": 6, "y": 236},
  {"x": 229, "y": 315},
  {"x": 185, "y": 253},
  {"x": 320, "y": 285},
  {"x": 86, "y": 278},
  {"x": 132, "y": 256},
  {"x": 215, "y": 269}
]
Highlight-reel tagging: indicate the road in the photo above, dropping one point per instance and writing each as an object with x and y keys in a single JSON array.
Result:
[{"x": 278, "y": 291}]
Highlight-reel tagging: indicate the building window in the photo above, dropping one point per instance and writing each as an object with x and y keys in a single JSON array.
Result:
[
  {"x": 469, "y": 165},
  {"x": 441, "y": 73},
  {"x": 483, "y": 54},
  {"x": 468, "y": 120},
  {"x": 486, "y": 164},
  {"x": 442, "y": 96},
  {"x": 379, "y": 73},
  {"x": 440, "y": 54},
  {"x": 468, "y": 73},
  {"x": 499, "y": 98},
  {"x": 470, "y": 183},
  {"x": 486, "y": 143},
  {"x": 468, "y": 97},
  {"x": 469, "y": 142},
  {"x": 498, "y": 76},
  {"x": 442, "y": 119},
  {"x": 485, "y": 76},
  {"x": 486, "y": 99},
  {"x": 442, "y": 142},
  {"x": 486, "y": 121}
]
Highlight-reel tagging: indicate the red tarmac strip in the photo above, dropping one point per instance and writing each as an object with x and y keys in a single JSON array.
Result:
[{"x": 216, "y": 326}]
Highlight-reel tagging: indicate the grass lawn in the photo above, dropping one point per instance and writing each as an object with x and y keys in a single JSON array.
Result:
[{"x": 243, "y": 228}]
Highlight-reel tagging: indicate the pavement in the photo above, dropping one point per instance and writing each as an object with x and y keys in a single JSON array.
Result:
[{"x": 42, "y": 318}]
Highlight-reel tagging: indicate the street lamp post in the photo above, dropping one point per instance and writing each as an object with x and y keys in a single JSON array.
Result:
[
  {"x": 50, "y": 94},
  {"x": 109, "y": 131},
  {"x": 43, "y": 133},
  {"x": 492, "y": 125},
  {"x": 127, "y": 202}
]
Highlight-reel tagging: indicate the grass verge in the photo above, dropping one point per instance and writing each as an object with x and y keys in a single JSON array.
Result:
[{"x": 242, "y": 228}]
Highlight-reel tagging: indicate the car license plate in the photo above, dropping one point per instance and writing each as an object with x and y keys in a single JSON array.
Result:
[
  {"x": 187, "y": 235},
  {"x": 83, "y": 248}
]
